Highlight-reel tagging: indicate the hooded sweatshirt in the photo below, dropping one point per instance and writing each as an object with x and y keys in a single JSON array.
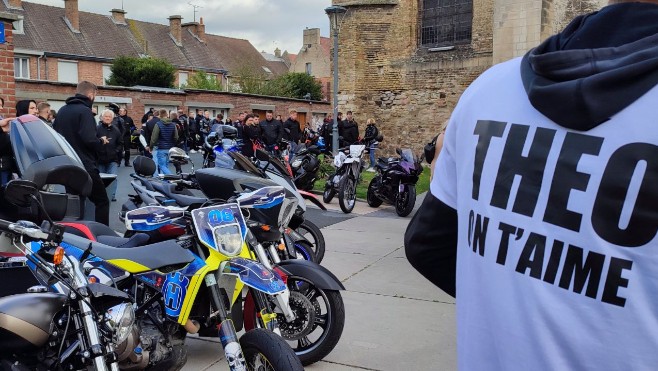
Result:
[
  {"x": 546, "y": 197},
  {"x": 76, "y": 124}
]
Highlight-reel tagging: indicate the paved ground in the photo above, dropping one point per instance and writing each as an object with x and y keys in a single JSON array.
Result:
[{"x": 395, "y": 320}]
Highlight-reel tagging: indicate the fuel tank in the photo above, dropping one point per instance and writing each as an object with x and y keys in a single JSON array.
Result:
[{"x": 26, "y": 320}]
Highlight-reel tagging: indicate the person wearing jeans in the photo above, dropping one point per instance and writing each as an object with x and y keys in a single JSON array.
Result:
[
  {"x": 109, "y": 155},
  {"x": 164, "y": 137}
]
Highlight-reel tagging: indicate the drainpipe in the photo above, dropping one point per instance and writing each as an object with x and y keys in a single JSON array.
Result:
[{"x": 39, "y": 66}]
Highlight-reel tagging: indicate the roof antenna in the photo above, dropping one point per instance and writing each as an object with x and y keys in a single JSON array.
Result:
[
  {"x": 195, "y": 8},
  {"x": 122, "y": 5}
]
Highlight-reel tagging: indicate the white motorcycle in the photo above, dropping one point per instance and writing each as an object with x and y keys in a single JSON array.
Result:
[{"x": 349, "y": 166}]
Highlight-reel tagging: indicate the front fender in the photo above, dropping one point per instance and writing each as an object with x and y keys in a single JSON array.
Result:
[
  {"x": 319, "y": 275},
  {"x": 311, "y": 197}
]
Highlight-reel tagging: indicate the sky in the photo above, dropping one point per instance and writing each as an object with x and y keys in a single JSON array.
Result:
[{"x": 267, "y": 24}]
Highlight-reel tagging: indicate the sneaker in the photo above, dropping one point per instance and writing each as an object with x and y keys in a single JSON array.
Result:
[
  {"x": 128, "y": 165},
  {"x": 371, "y": 170},
  {"x": 192, "y": 151}
]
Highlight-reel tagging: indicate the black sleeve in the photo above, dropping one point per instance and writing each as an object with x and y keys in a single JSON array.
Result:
[
  {"x": 431, "y": 243},
  {"x": 88, "y": 130}
]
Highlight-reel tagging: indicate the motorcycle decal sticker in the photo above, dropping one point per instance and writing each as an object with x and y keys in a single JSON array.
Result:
[
  {"x": 174, "y": 291},
  {"x": 208, "y": 219}
]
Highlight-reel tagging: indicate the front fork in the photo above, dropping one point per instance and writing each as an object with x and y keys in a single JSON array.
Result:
[{"x": 282, "y": 299}]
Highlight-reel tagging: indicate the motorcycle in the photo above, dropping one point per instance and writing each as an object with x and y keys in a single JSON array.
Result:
[
  {"x": 395, "y": 182},
  {"x": 349, "y": 166},
  {"x": 304, "y": 164},
  {"x": 215, "y": 145},
  {"x": 84, "y": 326},
  {"x": 177, "y": 190},
  {"x": 165, "y": 280}
]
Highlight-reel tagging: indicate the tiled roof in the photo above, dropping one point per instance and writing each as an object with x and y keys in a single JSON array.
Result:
[
  {"x": 237, "y": 54},
  {"x": 157, "y": 42},
  {"x": 47, "y": 31}
]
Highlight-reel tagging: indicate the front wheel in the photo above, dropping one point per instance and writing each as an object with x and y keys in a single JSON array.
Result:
[
  {"x": 406, "y": 201},
  {"x": 314, "y": 235},
  {"x": 347, "y": 194},
  {"x": 264, "y": 350},
  {"x": 371, "y": 197},
  {"x": 328, "y": 194}
]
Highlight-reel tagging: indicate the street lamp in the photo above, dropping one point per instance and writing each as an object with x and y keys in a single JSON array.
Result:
[{"x": 335, "y": 12}]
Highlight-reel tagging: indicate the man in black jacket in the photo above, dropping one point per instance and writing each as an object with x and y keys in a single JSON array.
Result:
[
  {"x": 291, "y": 130},
  {"x": 128, "y": 127},
  {"x": 271, "y": 131},
  {"x": 78, "y": 127},
  {"x": 349, "y": 131},
  {"x": 147, "y": 114}
]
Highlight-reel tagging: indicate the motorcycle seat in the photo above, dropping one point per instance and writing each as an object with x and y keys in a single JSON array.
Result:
[
  {"x": 101, "y": 233},
  {"x": 183, "y": 197},
  {"x": 138, "y": 259}
]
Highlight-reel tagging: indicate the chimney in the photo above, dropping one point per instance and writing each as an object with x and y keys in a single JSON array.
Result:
[
  {"x": 191, "y": 26},
  {"x": 311, "y": 37},
  {"x": 175, "y": 29},
  {"x": 277, "y": 53},
  {"x": 119, "y": 16},
  {"x": 201, "y": 31},
  {"x": 14, "y": 4},
  {"x": 72, "y": 14}
]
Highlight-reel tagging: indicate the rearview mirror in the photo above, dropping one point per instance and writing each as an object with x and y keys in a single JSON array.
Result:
[
  {"x": 21, "y": 193},
  {"x": 398, "y": 151},
  {"x": 262, "y": 155}
]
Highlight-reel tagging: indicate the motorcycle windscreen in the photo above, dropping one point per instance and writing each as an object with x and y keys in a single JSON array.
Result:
[
  {"x": 254, "y": 275},
  {"x": 45, "y": 157}
]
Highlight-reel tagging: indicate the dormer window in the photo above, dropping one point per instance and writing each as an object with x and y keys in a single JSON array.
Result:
[{"x": 17, "y": 26}]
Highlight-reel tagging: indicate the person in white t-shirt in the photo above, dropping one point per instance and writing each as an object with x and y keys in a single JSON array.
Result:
[{"x": 543, "y": 212}]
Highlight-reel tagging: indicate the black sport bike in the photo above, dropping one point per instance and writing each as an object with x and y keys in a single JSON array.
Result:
[{"x": 395, "y": 182}]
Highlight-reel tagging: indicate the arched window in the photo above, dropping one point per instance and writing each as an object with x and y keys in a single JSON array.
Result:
[{"x": 445, "y": 22}]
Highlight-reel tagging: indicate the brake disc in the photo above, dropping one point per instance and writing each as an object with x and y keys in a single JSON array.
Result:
[{"x": 304, "y": 320}]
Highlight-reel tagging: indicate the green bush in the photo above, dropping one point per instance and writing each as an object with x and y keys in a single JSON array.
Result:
[
  {"x": 203, "y": 81},
  {"x": 132, "y": 71}
]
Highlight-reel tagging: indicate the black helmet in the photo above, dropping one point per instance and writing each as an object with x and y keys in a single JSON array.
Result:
[{"x": 114, "y": 108}]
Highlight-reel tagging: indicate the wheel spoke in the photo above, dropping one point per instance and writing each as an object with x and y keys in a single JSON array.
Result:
[
  {"x": 304, "y": 342},
  {"x": 312, "y": 293},
  {"x": 321, "y": 321}
]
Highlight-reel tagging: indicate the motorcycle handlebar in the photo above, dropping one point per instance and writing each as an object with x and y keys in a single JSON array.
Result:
[{"x": 24, "y": 228}]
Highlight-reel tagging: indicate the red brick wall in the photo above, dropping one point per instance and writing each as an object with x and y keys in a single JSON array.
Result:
[
  {"x": 7, "y": 82},
  {"x": 240, "y": 102},
  {"x": 91, "y": 71}
]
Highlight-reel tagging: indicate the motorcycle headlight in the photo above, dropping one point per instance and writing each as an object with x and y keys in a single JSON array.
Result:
[
  {"x": 228, "y": 239},
  {"x": 120, "y": 319}
]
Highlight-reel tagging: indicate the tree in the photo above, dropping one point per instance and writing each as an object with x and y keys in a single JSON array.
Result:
[
  {"x": 203, "y": 81},
  {"x": 249, "y": 79},
  {"x": 294, "y": 85},
  {"x": 131, "y": 71}
]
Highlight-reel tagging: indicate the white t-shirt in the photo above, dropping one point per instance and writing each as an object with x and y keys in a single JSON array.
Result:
[{"x": 557, "y": 268}]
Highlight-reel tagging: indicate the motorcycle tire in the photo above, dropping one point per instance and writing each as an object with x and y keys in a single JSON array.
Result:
[
  {"x": 405, "y": 202},
  {"x": 371, "y": 197},
  {"x": 347, "y": 194},
  {"x": 304, "y": 251},
  {"x": 314, "y": 235},
  {"x": 264, "y": 350},
  {"x": 326, "y": 329},
  {"x": 328, "y": 194}
]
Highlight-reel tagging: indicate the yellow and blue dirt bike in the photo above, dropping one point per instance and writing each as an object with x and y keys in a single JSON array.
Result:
[{"x": 191, "y": 285}]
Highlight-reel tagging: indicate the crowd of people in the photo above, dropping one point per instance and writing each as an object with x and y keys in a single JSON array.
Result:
[{"x": 104, "y": 140}]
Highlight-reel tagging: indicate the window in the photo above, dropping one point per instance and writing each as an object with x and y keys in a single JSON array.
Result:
[
  {"x": 22, "y": 68},
  {"x": 17, "y": 26},
  {"x": 182, "y": 78},
  {"x": 67, "y": 71},
  {"x": 309, "y": 70},
  {"x": 446, "y": 22},
  {"x": 107, "y": 72}
]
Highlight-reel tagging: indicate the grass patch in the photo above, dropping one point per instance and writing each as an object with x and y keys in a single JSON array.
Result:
[{"x": 423, "y": 184}]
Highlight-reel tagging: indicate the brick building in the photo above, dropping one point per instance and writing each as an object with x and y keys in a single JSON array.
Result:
[
  {"x": 53, "y": 48},
  {"x": 314, "y": 58},
  {"x": 406, "y": 62}
]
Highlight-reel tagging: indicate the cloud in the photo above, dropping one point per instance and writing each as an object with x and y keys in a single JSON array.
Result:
[{"x": 267, "y": 24}]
